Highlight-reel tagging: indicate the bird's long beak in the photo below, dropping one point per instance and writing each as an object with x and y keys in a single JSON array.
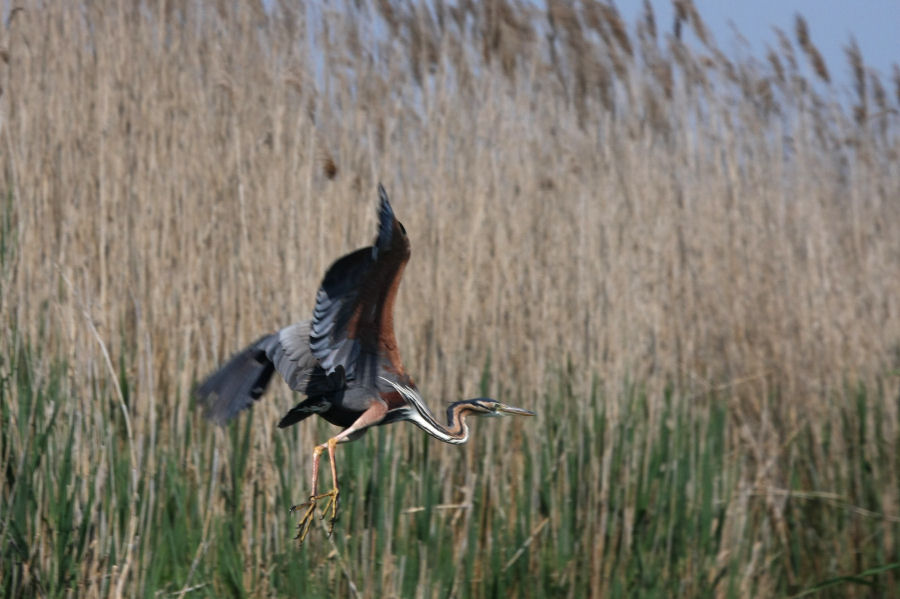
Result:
[{"x": 514, "y": 410}]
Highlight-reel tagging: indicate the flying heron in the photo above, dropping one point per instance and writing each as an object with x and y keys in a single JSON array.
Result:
[{"x": 345, "y": 360}]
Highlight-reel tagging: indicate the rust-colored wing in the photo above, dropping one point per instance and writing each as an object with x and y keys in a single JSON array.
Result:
[{"x": 353, "y": 321}]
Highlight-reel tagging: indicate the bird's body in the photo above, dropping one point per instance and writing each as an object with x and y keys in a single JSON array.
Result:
[{"x": 345, "y": 359}]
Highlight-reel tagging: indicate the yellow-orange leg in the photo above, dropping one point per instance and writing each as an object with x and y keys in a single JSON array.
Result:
[
  {"x": 333, "y": 494},
  {"x": 310, "y": 504},
  {"x": 371, "y": 416}
]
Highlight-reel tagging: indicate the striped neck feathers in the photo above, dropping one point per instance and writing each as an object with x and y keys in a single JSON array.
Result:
[{"x": 456, "y": 431}]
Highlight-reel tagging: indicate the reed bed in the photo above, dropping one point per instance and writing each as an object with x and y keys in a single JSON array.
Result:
[{"x": 686, "y": 262}]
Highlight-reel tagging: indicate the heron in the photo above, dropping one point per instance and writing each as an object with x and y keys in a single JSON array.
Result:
[{"x": 345, "y": 361}]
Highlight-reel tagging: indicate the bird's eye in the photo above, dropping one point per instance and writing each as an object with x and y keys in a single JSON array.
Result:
[{"x": 402, "y": 228}]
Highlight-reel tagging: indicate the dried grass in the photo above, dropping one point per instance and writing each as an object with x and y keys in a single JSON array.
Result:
[
  {"x": 172, "y": 197},
  {"x": 812, "y": 53}
]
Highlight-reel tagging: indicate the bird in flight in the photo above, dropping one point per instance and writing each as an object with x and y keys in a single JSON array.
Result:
[{"x": 345, "y": 361}]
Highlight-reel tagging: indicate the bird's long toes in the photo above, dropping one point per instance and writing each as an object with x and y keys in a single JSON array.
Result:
[
  {"x": 303, "y": 530},
  {"x": 306, "y": 519},
  {"x": 331, "y": 522},
  {"x": 311, "y": 501},
  {"x": 332, "y": 505}
]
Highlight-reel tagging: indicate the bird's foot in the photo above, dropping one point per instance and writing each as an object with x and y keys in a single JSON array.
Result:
[
  {"x": 331, "y": 506},
  {"x": 307, "y": 519}
]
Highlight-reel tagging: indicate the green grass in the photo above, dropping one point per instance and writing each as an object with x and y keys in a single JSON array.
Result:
[{"x": 643, "y": 504}]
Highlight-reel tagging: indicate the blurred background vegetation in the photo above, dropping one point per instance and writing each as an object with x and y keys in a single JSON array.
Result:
[{"x": 685, "y": 262}]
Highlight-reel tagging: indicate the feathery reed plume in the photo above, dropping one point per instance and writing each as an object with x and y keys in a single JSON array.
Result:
[
  {"x": 787, "y": 49},
  {"x": 440, "y": 17},
  {"x": 562, "y": 20},
  {"x": 424, "y": 54},
  {"x": 389, "y": 14},
  {"x": 620, "y": 64},
  {"x": 681, "y": 16},
  {"x": 458, "y": 14},
  {"x": 416, "y": 41},
  {"x": 726, "y": 65},
  {"x": 777, "y": 67},
  {"x": 353, "y": 45},
  {"x": 649, "y": 20},
  {"x": 765, "y": 96},
  {"x": 593, "y": 19},
  {"x": 616, "y": 26},
  {"x": 812, "y": 53},
  {"x": 879, "y": 96},
  {"x": 662, "y": 72},
  {"x": 563, "y": 17},
  {"x": 655, "y": 115},
  {"x": 507, "y": 34},
  {"x": 697, "y": 23},
  {"x": 896, "y": 70},
  {"x": 600, "y": 78},
  {"x": 854, "y": 57},
  {"x": 597, "y": 19}
]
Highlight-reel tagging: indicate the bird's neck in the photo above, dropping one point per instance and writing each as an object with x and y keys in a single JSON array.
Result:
[{"x": 456, "y": 431}]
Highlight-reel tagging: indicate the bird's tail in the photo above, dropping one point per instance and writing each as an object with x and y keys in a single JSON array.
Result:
[{"x": 240, "y": 382}]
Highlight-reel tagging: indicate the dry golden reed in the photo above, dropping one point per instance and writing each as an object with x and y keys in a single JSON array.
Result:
[
  {"x": 896, "y": 77},
  {"x": 858, "y": 67},
  {"x": 812, "y": 53},
  {"x": 176, "y": 181},
  {"x": 660, "y": 222}
]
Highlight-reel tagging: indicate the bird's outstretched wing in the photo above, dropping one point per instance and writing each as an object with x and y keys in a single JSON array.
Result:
[
  {"x": 246, "y": 375},
  {"x": 353, "y": 323}
]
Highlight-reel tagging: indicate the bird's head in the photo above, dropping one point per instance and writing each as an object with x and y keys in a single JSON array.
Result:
[{"x": 485, "y": 406}]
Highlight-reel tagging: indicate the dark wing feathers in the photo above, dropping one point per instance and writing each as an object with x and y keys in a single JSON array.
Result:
[
  {"x": 244, "y": 378},
  {"x": 386, "y": 221},
  {"x": 291, "y": 355},
  {"x": 336, "y": 302},
  {"x": 235, "y": 386},
  {"x": 313, "y": 405},
  {"x": 349, "y": 321},
  {"x": 351, "y": 328}
]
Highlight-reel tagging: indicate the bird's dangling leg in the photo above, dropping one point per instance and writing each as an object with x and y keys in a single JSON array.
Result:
[
  {"x": 374, "y": 414},
  {"x": 310, "y": 504},
  {"x": 333, "y": 494}
]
